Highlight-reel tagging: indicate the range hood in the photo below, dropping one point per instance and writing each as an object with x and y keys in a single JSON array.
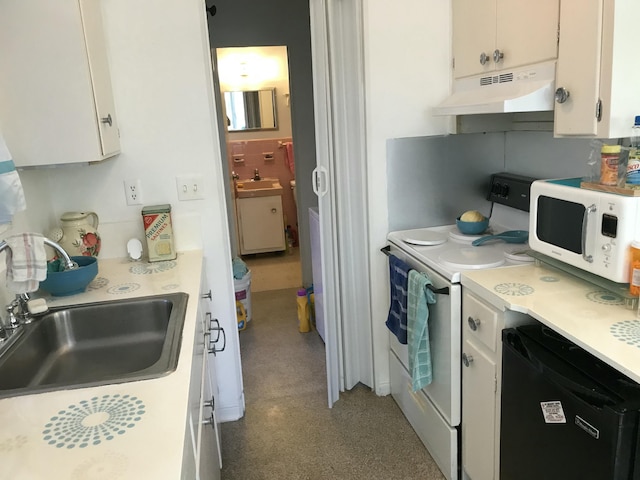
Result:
[{"x": 523, "y": 89}]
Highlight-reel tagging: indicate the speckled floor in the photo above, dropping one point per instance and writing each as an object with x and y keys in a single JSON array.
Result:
[
  {"x": 289, "y": 433},
  {"x": 274, "y": 271}
]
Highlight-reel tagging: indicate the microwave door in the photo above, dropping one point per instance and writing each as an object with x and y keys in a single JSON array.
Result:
[{"x": 560, "y": 223}]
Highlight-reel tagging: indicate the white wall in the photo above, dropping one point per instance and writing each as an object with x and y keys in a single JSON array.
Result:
[
  {"x": 161, "y": 74},
  {"x": 407, "y": 70}
]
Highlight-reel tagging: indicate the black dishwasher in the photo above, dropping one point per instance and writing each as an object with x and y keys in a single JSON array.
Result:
[{"x": 565, "y": 414}]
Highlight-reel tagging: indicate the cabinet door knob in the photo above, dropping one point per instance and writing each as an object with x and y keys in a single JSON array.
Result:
[
  {"x": 474, "y": 323},
  {"x": 467, "y": 359},
  {"x": 274, "y": 210},
  {"x": 497, "y": 56},
  {"x": 562, "y": 95},
  {"x": 210, "y": 403},
  {"x": 108, "y": 120},
  {"x": 206, "y": 295},
  {"x": 484, "y": 58}
]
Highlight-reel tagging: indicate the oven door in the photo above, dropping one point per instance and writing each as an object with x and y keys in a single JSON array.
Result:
[
  {"x": 434, "y": 411},
  {"x": 445, "y": 344}
]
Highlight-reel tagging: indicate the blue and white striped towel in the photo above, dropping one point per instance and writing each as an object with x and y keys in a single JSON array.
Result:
[
  {"x": 398, "y": 280},
  {"x": 11, "y": 194},
  {"x": 419, "y": 296}
]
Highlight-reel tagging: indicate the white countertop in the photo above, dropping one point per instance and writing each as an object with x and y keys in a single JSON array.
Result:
[
  {"x": 591, "y": 317},
  {"x": 43, "y": 436}
]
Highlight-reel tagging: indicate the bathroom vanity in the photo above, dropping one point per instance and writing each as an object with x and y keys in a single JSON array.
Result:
[{"x": 260, "y": 216}]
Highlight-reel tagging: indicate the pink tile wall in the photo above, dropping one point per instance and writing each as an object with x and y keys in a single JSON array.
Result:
[{"x": 247, "y": 155}]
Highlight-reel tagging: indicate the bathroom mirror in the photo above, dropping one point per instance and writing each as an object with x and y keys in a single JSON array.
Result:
[{"x": 251, "y": 110}]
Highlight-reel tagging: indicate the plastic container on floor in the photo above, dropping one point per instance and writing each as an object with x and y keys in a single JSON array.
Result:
[
  {"x": 304, "y": 324},
  {"x": 242, "y": 315},
  {"x": 243, "y": 293}
]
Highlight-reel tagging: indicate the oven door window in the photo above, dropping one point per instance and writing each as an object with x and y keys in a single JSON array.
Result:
[{"x": 559, "y": 223}]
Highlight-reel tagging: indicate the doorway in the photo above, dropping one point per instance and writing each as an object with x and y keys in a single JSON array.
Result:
[{"x": 335, "y": 66}]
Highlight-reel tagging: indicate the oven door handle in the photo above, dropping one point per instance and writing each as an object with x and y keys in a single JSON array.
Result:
[{"x": 442, "y": 291}]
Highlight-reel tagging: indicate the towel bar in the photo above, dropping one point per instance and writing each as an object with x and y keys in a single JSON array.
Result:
[{"x": 442, "y": 291}]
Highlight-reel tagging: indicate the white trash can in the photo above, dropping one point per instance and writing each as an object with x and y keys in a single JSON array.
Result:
[{"x": 243, "y": 292}]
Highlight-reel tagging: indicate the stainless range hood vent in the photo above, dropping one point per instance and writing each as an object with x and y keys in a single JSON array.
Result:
[{"x": 525, "y": 89}]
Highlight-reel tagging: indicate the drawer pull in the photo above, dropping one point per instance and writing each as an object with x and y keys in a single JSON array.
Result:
[
  {"x": 206, "y": 295},
  {"x": 467, "y": 359},
  {"x": 474, "y": 323},
  {"x": 212, "y": 343},
  {"x": 209, "y": 421},
  {"x": 107, "y": 120},
  {"x": 210, "y": 403}
]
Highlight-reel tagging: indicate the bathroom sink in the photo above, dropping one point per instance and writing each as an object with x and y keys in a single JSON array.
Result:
[
  {"x": 94, "y": 344},
  {"x": 258, "y": 188}
]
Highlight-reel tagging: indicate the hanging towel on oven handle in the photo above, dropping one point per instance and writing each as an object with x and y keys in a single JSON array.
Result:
[
  {"x": 398, "y": 281},
  {"x": 419, "y": 297}
]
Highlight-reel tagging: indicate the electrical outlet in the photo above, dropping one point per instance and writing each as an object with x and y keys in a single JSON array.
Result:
[
  {"x": 133, "y": 191},
  {"x": 189, "y": 187}
]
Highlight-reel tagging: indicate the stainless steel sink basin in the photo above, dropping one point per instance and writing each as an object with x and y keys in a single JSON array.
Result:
[{"x": 95, "y": 344}]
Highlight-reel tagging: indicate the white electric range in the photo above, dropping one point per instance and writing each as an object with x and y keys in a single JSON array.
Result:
[{"x": 443, "y": 253}]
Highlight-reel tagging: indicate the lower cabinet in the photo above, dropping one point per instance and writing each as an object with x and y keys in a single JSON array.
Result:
[
  {"x": 481, "y": 384},
  {"x": 202, "y": 458},
  {"x": 260, "y": 224}
]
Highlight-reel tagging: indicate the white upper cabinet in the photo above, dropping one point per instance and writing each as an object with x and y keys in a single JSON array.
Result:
[
  {"x": 56, "y": 103},
  {"x": 597, "y": 73},
  {"x": 491, "y": 35}
]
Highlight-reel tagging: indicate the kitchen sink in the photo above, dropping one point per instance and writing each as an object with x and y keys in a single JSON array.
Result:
[
  {"x": 94, "y": 344},
  {"x": 258, "y": 188}
]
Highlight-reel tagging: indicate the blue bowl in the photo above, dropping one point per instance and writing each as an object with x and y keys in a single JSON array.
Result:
[
  {"x": 472, "y": 228},
  {"x": 70, "y": 282}
]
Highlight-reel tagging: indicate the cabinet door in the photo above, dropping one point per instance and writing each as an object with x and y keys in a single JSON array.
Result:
[
  {"x": 478, "y": 414},
  {"x": 527, "y": 32},
  {"x": 261, "y": 224},
  {"x": 524, "y": 32},
  {"x": 192, "y": 429},
  {"x": 474, "y": 33},
  {"x": 100, "y": 77},
  {"x": 54, "y": 73},
  {"x": 578, "y": 69},
  {"x": 209, "y": 461},
  {"x": 594, "y": 66},
  {"x": 210, "y": 387}
]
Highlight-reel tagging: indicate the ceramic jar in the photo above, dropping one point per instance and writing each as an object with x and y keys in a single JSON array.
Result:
[{"x": 78, "y": 233}]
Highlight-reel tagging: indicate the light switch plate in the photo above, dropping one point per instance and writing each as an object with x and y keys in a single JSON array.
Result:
[{"x": 190, "y": 187}]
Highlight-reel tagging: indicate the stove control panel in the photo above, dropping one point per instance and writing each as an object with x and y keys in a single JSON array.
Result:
[{"x": 511, "y": 190}]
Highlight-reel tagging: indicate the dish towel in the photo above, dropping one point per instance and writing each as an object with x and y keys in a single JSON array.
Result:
[
  {"x": 288, "y": 157},
  {"x": 11, "y": 193},
  {"x": 419, "y": 296},
  {"x": 26, "y": 262},
  {"x": 398, "y": 281}
]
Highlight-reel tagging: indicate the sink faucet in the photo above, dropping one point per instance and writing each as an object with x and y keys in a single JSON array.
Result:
[
  {"x": 18, "y": 310},
  {"x": 256, "y": 175}
]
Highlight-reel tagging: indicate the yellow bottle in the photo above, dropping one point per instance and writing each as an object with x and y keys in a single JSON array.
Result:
[{"x": 303, "y": 311}]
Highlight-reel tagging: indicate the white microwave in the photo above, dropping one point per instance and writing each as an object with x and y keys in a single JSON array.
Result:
[{"x": 589, "y": 229}]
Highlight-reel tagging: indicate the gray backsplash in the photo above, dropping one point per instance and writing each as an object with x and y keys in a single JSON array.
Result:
[{"x": 431, "y": 180}]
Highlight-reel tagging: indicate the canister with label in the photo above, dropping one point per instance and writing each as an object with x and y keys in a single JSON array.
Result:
[
  {"x": 159, "y": 232},
  {"x": 609, "y": 166}
]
